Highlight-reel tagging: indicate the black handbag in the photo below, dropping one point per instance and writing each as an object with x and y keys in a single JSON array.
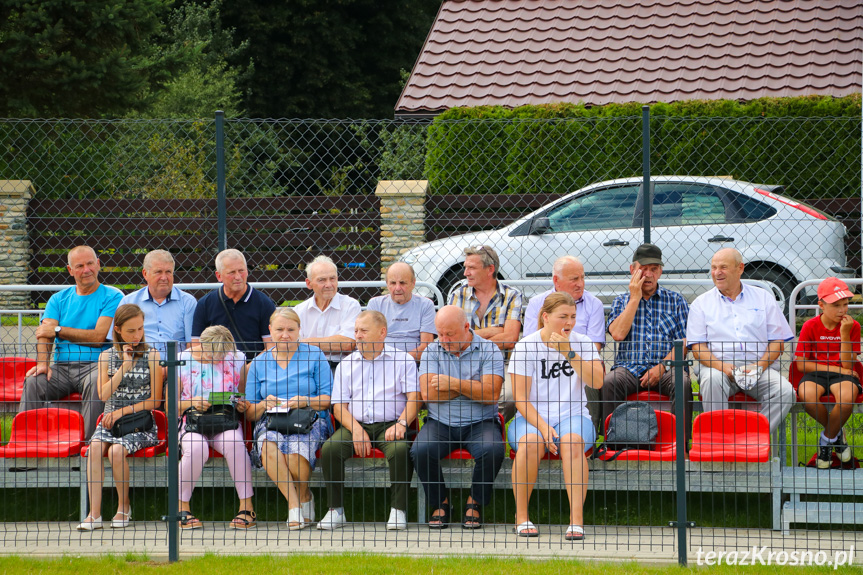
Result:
[
  {"x": 215, "y": 420},
  {"x": 132, "y": 423},
  {"x": 298, "y": 420}
]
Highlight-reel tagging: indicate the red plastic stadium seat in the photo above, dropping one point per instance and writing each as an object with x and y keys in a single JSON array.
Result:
[
  {"x": 161, "y": 434},
  {"x": 465, "y": 454},
  {"x": 794, "y": 377},
  {"x": 649, "y": 396},
  {"x": 666, "y": 442},
  {"x": 731, "y": 435},
  {"x": 45, "y": 432},
  {"x": 12, "y": 370}
]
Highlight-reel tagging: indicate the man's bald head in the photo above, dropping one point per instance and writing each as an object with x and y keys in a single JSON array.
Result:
[{"x": 453, "y": 328}]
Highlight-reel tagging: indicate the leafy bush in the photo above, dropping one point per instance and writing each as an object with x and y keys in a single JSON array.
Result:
[{"x": 810, "y": 144}]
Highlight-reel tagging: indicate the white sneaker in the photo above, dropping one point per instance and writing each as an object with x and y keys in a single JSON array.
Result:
[
  {"x": 295, "y": 519},
  {"x": 398, "y": 520},
  {"x": 334, "y": 519},
  {"x": 90, "y": 525},
  {"x": 309, "y": 510}
]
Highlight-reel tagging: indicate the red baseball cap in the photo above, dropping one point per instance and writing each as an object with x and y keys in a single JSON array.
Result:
[{"x": 833, "y": 289}]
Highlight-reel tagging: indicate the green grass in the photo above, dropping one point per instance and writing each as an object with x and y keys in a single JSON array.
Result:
[
  {"x": 365, "y": 564},
  {"x": 26, "y": 320}
]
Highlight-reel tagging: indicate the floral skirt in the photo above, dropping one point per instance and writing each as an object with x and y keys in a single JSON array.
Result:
[{"x": 303, "y": 444}]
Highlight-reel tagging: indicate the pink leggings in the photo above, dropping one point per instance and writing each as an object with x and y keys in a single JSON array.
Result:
[{"x": 196, "y": 452}]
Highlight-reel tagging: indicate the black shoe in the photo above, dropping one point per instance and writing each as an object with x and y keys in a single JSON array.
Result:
[
  {"x": 825, "y": 456},
  {"x": 842, "y": 449}
]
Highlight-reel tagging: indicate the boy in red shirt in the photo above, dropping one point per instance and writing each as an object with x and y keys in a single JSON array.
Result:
[{"x": 827, "y": 357}]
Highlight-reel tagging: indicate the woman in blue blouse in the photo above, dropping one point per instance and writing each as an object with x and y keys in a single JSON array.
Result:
[{"x": 295, "y": 375}]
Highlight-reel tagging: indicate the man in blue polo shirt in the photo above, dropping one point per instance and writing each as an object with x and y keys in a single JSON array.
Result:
[
  {"x": 75, "y": 323},
  {"x": 236, "y": 305},
  {"x": 460, "y": 379},
  {"x": 168, "y": 311}
]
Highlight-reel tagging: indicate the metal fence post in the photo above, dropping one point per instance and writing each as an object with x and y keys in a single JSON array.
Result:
[
  {"x": 645, "y": 169},
  {"x": 221, "y": 201},
  {"x": 173, "y": 515},
  {"x": 677, "y": 364}
]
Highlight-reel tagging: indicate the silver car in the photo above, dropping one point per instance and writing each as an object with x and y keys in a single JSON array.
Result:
[{"x": 782, "y": 240}]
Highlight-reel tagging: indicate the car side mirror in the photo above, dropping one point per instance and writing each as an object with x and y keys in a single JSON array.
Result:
[{"x": 539, "y": 226}]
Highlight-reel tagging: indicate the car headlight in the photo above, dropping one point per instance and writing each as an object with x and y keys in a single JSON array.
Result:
[{"x": 410, "y": 259}]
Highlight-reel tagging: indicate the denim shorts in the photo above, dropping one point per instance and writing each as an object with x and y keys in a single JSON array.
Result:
[{"x": 579, "y": 425}]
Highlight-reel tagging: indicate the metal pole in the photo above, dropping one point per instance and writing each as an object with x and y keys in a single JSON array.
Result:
[
  {"x": 173, "y": 457},
  {"x": 679, "y": 413},
  {"x": 645, "y": 169},
  {"x": 222, "y": 203}
]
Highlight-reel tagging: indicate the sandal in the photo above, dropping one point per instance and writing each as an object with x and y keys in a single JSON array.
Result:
[
  {"x": 240, "y": 522},
  {"x": 189, "y": 521},
  {"x": 574, "y": 533},
  {"x": 295, "y": 519},
  {"x": 440, "y": 520},
  {"x": 526, "y": 529},
  {"x": 472, "y": 521}
]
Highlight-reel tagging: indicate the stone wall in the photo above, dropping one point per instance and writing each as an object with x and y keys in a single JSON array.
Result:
[
  {"x": 402, "y": 218},
  {"x": 14, "y": 241}
]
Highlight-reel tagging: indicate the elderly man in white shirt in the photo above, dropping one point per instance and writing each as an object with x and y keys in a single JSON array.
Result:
[
  {"x": 327, "y": 318},
  {"x": 376, "y": 398},
  {"x": 737, "y": 334}
]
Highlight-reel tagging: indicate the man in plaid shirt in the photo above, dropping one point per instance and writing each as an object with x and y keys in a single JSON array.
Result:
[
  {"x": 645, "y": 321},
  {"x": 493, "y": 308}
]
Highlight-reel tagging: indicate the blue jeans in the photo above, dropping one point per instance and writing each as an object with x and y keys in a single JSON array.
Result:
[{"x": 435, "y": 441}]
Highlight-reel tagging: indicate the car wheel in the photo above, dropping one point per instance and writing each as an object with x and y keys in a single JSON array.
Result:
[
  {"x": 448, "y": 281},
  {"x": 776, "y": 275}
]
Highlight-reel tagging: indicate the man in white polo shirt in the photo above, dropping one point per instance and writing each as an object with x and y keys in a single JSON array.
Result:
[
  {"x": 376, "y": 397},
  {"x": 737, "y": 333},
  {"x": 327, "y": 318},
  {"x": 410, "y": 318}
]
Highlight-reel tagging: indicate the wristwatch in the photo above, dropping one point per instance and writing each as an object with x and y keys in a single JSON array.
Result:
[
  {"x": 57, "y": 329},
  {"x": 570, "y": 355},
  {"x": 403, "y": 423}
]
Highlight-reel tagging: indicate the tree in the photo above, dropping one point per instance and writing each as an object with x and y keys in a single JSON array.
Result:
[
  {"x": 329, "y": 58},
  {"x": 194, "y": 38},
  {"x": 77, "y": 58}
]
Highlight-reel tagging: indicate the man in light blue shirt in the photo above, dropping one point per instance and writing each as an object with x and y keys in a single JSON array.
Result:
[
  {"x": 168, "y": 311},
  {"x": 75, "y": 324},
  {"x": 461, "y": 375}
]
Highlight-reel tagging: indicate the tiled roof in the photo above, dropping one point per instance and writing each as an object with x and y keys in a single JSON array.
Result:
[{"x": 516, "y": 52}]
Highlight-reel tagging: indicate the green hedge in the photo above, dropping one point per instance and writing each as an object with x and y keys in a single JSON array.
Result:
[{"x": 810, "y": 144}]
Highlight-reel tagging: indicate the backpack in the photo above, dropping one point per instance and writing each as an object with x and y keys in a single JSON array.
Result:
[{"x": 632, "y": 425}]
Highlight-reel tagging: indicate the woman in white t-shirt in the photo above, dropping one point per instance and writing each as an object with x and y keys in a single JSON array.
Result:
[{"x": 549, "y": 369}]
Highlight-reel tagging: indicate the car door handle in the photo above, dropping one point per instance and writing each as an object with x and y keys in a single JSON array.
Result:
[
  {"x": 716, "y": 239},
  {"x": 615, "y": 243}
]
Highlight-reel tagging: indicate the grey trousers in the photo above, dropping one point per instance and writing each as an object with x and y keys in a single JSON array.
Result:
[
  {"x": 772, "y": 391},
  {"x": 66, "y": 378}
]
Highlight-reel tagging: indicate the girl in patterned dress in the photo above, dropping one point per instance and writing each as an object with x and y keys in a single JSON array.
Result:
[
  {"x": 214, "y": 366},
  {"x": 130, "y": 380}
]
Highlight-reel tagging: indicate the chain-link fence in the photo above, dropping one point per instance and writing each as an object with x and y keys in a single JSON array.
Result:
[{"x": 296, "y": 189}]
